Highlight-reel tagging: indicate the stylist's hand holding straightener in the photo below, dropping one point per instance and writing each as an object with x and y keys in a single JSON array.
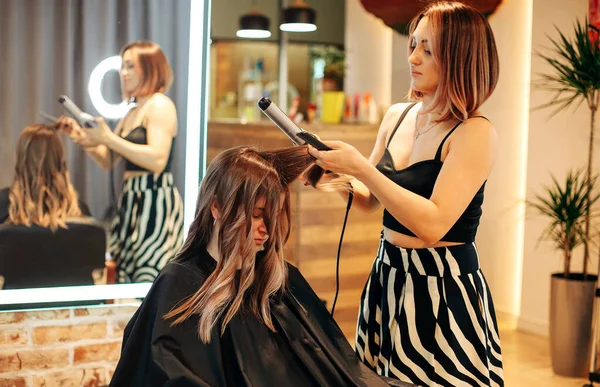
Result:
[
  {"x": 343, "y": 159},
  {"x": 88, "y": 137}
]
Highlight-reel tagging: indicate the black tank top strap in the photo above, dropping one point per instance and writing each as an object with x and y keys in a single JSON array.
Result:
[
  {"x": 404, "y": 113},
  {"x": 438, "y": 154}
]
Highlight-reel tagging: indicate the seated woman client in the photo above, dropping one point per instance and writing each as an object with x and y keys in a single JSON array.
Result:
[
  {"x": 41, "y": 192},
  {"x": 229, "y": 310},
  {"x": 46, "y": 235}
]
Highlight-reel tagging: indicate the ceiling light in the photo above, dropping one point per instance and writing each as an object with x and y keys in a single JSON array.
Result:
[
  {"x": 298, "y": 17},
  {"x": 254, "y": 25}
]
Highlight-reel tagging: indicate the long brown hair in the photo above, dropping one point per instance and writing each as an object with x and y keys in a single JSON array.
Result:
[
  {"x": 41, "y": 192},
  {"x": 235, "y": 180},
  {"x": 465, "y": 50},
  {"x": 157, "y": 75}
]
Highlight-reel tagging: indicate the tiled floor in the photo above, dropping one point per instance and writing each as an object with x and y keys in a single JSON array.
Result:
[{"x": 527, "y": 361}]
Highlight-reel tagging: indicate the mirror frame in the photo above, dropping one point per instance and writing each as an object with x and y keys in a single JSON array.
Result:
[{"x": 195, "y": 168}]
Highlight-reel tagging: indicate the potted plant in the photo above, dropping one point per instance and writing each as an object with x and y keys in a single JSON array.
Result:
[
  {"x": 327, "y": 93},
  {"x": 571, "y": 295},
  {"x": 574, "y": 76},
  {"x": 334, "y": 67}
]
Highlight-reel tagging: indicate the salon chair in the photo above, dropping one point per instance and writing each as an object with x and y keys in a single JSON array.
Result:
[{"x": 33, "y": 257}]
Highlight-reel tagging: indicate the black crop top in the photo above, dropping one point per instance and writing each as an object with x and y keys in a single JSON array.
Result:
[
  {"x": 420, "y": 178},
  {"x": 138, "y": 136}
]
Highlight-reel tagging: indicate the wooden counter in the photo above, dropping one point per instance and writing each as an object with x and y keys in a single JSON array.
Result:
[{"x": 317, "y": 217}]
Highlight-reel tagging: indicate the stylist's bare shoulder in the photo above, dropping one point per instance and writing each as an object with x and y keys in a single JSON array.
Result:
[
  {"x": 162, "y": 109},
  {"x": 392, "y": 115},
  {"x": 160, "y": 101}
]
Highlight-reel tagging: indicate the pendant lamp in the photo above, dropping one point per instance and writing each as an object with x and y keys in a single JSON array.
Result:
[
  {"x": 298, "y": 17},
  {"x": 254, "y": 25}
]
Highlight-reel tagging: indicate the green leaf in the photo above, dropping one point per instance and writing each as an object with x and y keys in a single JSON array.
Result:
[
  {"x": 575, "y": 69},
  {"x": 565, "y": 205}
]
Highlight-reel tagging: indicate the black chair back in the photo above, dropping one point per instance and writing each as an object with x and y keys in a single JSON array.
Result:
[{"x": 33, "y": 257}]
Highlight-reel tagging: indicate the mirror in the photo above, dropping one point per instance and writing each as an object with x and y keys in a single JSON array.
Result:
[{"x": 52, "y": 48}]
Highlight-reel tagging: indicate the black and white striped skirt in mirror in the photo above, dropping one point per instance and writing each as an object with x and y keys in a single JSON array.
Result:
[
  {"x": 147, "y": 231},
  {"x": 427, "y": 317}
]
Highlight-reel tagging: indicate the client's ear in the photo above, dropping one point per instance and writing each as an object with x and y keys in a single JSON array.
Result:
[{"x": 214, "y": 209}]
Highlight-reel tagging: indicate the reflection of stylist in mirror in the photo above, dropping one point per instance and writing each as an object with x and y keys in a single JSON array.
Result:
[{"x": 148, "y": 228}]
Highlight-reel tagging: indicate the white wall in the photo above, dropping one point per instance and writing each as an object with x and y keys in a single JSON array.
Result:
[
  {"x": 368, "y": 45},
  {"x": 555, "y": 146},
  {"x": 500, "y": 235}
]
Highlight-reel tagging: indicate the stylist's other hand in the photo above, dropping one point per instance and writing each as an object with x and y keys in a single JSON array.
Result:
[
  {"x": 325, "y": 178},
  {"x": 71, "y": 128},
  {"x": 342, "y": 158},
  {"x": 68, "y": 126}
]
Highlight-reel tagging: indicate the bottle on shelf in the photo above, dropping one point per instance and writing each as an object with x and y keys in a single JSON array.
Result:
[{"x": 250, "y": 89}]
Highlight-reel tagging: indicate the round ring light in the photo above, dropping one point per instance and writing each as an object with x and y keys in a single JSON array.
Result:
[{"x": 107, "y": 110}]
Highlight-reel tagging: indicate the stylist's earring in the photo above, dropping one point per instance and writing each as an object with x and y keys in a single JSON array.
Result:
[{"x": 215, "y": 222}]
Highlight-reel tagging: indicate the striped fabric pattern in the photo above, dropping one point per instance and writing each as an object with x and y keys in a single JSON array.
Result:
[
  {"x": 427, "y": 317},
  {"x": 148, "y": 229}
]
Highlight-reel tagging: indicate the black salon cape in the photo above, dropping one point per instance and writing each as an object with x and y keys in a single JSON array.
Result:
[{"x": 308, "y": 348}]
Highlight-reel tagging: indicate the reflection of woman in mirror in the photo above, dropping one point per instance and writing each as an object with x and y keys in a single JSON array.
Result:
[
  {"x": 229, "y": 310},
  {"x": 41, "y": 192},
  {"x": 147, "y": 231}
]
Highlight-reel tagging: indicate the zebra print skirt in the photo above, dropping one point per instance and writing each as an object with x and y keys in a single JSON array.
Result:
[
  {"x": 147, "y": 231},
  {"x": 426, "y": 317}
]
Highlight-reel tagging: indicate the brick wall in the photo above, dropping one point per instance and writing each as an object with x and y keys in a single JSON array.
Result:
[{"x": 61, "y": 347}]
